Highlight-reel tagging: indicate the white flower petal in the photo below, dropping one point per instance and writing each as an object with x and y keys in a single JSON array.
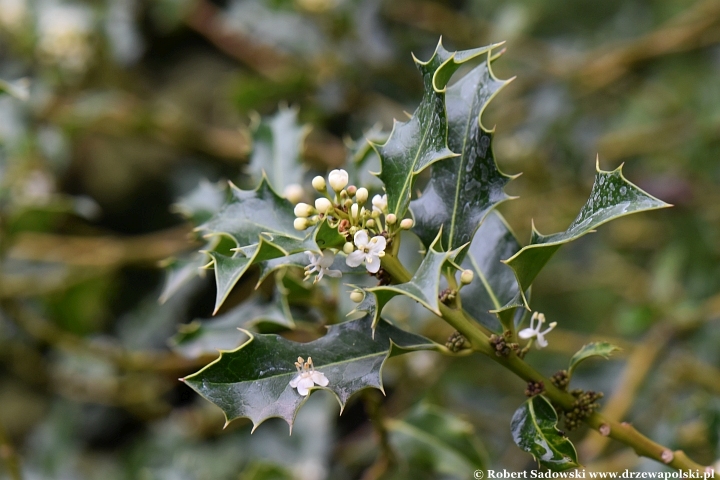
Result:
[
  {"x": 372, "y": 263},
  {"x": 527, "y": 333},
  {"x": 355, "y": 259},
  {"x": 361, "y": 238},
  {"x": 326, "y": 259},
  {"x": 294, "y": 381},
  {"x": 377, "y": 245},
  {"x": 304, "y": 386},
  {"x": 320, "y": 379},
  {"x": 333, "y": 273},
  {"x": 541, "y": 342}
]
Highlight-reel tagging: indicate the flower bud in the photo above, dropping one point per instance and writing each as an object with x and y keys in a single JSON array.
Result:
[
  {"x": 354, "y": 210},
  {"x": 300, "y": 224},
  {"x": 380, "y": 202},
  {"x": 466, "y": 277},
  {"x": 356, "y": 296},
  {"x": 318, "y": 184},
  {"x": 348, "y": 248},
  {"x": 322, "y": 205},
  {"x": 390, "y": 219},
  {"x": 293, "y": 192},
  {"x": 361, "y": 195},
  {"x": 338, "y": 179},
  {"x": 303, "y": 210},
  {"x": 407, "y": 223},
  {"x": 370, "y": 223},
  {"x": 348, "y": 203},
  {"x": 351, "y": 190}
]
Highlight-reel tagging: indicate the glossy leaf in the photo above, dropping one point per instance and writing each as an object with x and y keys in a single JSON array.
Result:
[
  {"x": 207, "y": 336},
  {"x": 612, "y": 196},
  {"x": 421, "y": 141},
  {"x": 423, "y": 287},
  {"x": 463, "y": 189},
  {"x": 199, "y": 205},
  {"x": 436, "y": 441},
  {"x": 180, "y": 271},
  {"x": 534, "y": 430},
  {"x": 594, "y": 349},
  {"x": 494, "y": 288},
  {"x": 260, "y": 223},
  {"x": 254, "y": 380},
  {"x": 277, "y": 147}
]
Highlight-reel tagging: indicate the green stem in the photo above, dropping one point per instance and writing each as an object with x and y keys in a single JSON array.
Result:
[{"x": 480, "y": 341}]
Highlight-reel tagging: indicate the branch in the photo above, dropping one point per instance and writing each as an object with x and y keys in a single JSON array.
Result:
[{"x": 624, "y": 433}]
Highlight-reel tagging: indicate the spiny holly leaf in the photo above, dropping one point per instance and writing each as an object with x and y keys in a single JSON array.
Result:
[
  {"x": 421, "y": 141},
  {"x": 612, "y": 196},
  {"x": 277, "y": 145},
  {"x": 436, "y": 441},
  {"x": 534, "y": 430},
  {"x": 362, "y": 158},
  {"x": 424, "y": 286},
  {"x": 494, "y": 288},
  {"x": 202, "y": 203},
  {"x": 254, "y": 380},
  {"x": 260, "y": 222},
  {"x": 180, "y": 271},
  {"x": 463, "y": 189},
  {"x": 207, "y": 336},
  {"x": 594, "y": 349}
]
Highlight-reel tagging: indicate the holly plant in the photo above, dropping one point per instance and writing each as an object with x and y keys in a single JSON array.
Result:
[{"x": 297, "y": 237}]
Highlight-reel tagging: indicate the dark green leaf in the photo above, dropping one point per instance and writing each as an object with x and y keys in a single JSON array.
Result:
[
  {"x": 423, "y": 287},
  {"x": 438, "y": 442},
  {"x": 207, "y": 336},
  {"x": 494, "y": 288},
  {"x": 534, "y": 429},
  {"x": 612, "y": 196},
  {"x": 260, "y": 222},
  {"x": 594, "y": 349},
  {"x": 277, "y": 145},
  {"x": 421, "y": 141},
  {"x": 463, "y": 189},
  {"x": 254, "y": 380}
]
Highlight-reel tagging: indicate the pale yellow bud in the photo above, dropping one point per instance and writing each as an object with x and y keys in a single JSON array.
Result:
[
  {"x": 391, "y": 219},
  {"x": 361, "y": 195},
  {"x": 338, "y": 179},
  {"x": 322, "y": 205},
  {"x": 466, "y": 277},
  {"x": 348, "y": 248},
  {"x": 351, "y": 190},
  {"x": 357, "y": 296},
  {"x": 300, "y": 224},
  {"x": 406, "y": 223},
  {"x": 293, "y": 192},
  {"x": 318, "y": 184},
  {"x": 370, "y": 223},
  {"x": 303, "y": 210}
]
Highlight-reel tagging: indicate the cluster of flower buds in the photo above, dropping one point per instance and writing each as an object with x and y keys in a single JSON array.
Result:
[{"x": 344, "y": 207}]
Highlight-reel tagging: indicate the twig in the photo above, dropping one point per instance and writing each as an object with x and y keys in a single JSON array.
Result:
[
  {"x": 624, "y": 432},
  {"x": 636, "y": 369}
]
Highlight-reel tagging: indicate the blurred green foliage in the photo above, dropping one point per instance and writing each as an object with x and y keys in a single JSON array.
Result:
[{"x": 113, "y": 110}]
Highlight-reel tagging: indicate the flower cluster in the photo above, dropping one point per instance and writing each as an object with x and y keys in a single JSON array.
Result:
[
  {"x": 366, "y": 229},
  {"x": 307, "y": 377},
  {"x": 534, "y": 330}
]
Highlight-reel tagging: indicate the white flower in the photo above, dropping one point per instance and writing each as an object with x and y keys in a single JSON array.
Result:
[
  {"x": 307, "y": 377},
  {"x": 338, "y": 179},
  {"x": 369, "y": 250},
  {"x": 321, "y": 264},
  {"x": 379, "y": 203},
  {"x": 534, "y": 331}
]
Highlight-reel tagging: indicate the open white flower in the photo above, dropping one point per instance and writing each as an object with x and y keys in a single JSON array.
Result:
[
  {"x": 534, "y": 330},
  {"x": 321, "y": 264},
  {"x": 369, "y": 250},
  {"x": 307, "y": 377}
]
